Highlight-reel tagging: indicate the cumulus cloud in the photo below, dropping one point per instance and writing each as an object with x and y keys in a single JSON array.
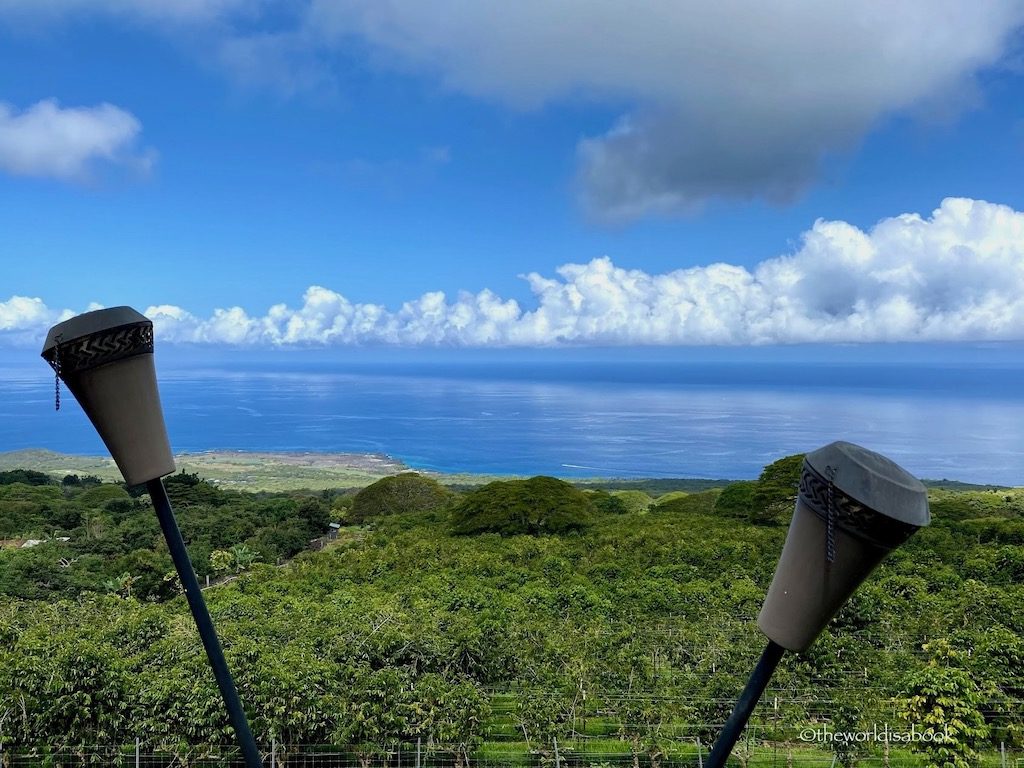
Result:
[
  {"x": 68, "y": 142},
  {"x": 957, "y": 275},
  {"x": 715, "y": 99},
  {"x": 24, "y": 318}
]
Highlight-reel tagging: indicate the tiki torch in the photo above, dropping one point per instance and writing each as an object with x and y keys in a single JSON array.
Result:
[
  {"x": 105, "y": 359},
  {"x": 854, "y": 506}
]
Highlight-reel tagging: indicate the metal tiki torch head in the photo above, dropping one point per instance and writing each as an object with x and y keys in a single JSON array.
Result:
[
  {"x": 105, "y": 358},
  {"x": 854, "y": 507}
]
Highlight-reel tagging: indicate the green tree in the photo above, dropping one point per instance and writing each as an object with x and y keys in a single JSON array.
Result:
[
  {"x": 737, "y": 499},
  {"x": 775, "y": 493},
  {"x": 316, "y": 513},
  {"x": 185, "y": 490},
  {"x": 944, "y": 705},
  {"x": 998, "y": 664},
  {"x": 544, "y": 715},
  {"x": 846, "y": 713},
  {"x": 26, "y": 476},
  {"x": 636, "y": 502},
  {"x": 607, "y": 503},
  {"x": 406, "y": 493},
  {"x": 449, "y": 712},
  {"x": 644, "y": 722},
  {"x": 96, "y": 497},
  {"x": 375, "y": 714},
  {"x": 535, "y": 506}
]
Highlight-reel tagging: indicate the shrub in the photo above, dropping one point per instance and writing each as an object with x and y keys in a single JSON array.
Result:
[
  {"x": 665, "y": 498},
  {"x": 702, "y": 503},
  {"x": 100, "y": 495},
  {"x": 26, "y": 476},
  {"x": 607, "y": 503},
  {"x": 944, "y": 699},
  {"x": 635, "y": 501}
]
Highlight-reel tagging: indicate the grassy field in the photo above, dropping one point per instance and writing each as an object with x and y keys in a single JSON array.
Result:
[
  {"x": 302, "y": 470},
  {"x": 242, "y": 470}
]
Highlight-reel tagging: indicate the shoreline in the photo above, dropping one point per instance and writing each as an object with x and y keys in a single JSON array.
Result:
[
  {"x": 242, "y": 470},
  {"x": 296, "y": 470},
  {"x": 324, "y": 470}
]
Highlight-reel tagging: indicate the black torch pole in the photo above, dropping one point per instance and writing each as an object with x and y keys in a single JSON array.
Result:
[
  {"x": 214, "y": 652},
  {"x": 745, "y": 705}
]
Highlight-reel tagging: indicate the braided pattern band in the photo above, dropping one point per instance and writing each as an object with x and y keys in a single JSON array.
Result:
[
  {"x": 73, "y": 357},
  {"x": 849, "y": 514}
]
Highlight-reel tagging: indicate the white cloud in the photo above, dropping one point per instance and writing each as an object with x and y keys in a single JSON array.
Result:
[
  {"x": 67, "y": 142},
  {"x": 21, "y": 313},
  {"x": 716, "y": 99},
  {"x": 724, "y": 98},
  {"x": 955, "y": 276},
  {"x": 24, "y": 320}
]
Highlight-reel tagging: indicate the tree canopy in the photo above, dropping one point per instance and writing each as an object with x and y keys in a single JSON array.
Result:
[
  {"x": 404, "y": 493},
  {"x": 534, "y": 506},
  {"x": 775, "y": 494}
]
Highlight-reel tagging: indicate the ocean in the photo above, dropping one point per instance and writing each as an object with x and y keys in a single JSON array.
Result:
[{"x": 624, "y": 418}]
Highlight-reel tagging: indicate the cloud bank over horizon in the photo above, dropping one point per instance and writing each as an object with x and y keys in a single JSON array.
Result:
[{"x": 957, "y": 275}]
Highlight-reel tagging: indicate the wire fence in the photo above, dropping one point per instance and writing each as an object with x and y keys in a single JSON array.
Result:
[{"x": 678, "y": 755}]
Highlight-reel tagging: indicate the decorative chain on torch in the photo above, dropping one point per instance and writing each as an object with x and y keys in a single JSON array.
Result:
[
  {"x": 830, "y": 520},
  {"x": 56, "y": 373}
]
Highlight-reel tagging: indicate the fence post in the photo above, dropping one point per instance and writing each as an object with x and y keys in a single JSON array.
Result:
[
  {"x": 419, "y": 739},
  {"x": 1002, "y": 754},
  {"x": 138, "y": 751},
  {"x": 700, "y": 754},
  {"x": 558, "y": 760}
]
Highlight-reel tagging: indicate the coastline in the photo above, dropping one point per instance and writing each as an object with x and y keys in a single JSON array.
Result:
[
  {"x": 242, "y": 470},
  {"x": 323, "y": 470}
]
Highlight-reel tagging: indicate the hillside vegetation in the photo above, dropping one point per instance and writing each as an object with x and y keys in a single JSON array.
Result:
[{"x": 631, "y": 633}]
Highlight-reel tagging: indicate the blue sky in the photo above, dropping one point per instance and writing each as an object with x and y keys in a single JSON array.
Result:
[{"x": 211, "y": 155}]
